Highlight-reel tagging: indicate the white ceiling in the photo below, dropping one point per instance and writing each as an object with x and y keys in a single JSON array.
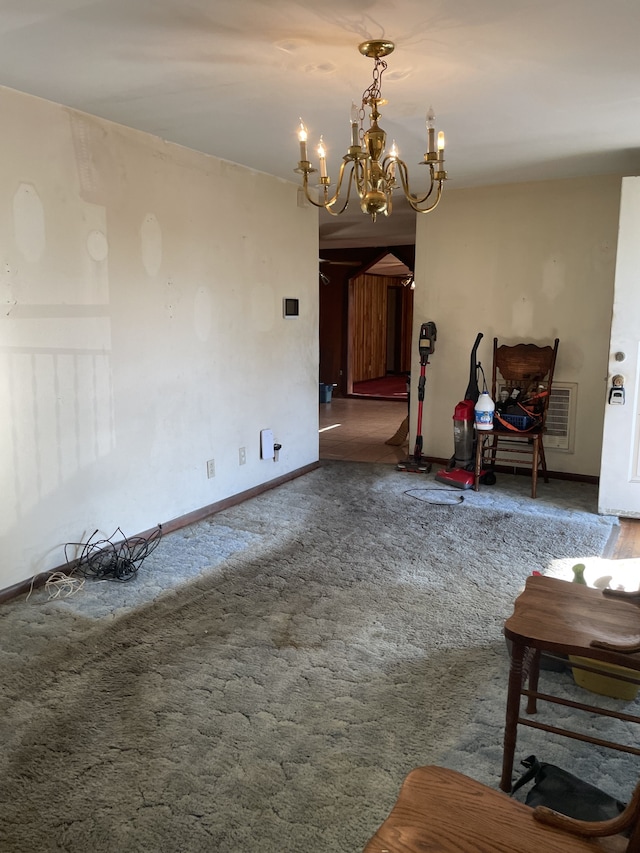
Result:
[{"x": 524, "y": 89}]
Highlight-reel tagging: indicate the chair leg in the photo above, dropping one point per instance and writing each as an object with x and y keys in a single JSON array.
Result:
[
  {"x": 534, "y": 675},
  {"x": 513, "y": 712},
  {"x": 494, "y": 449},
  {"x": 478, "y": 466},
  {"x": 543, "y": 461},
  {"x": 486, "y": 446},
  {"x": 534, "y": 467}
]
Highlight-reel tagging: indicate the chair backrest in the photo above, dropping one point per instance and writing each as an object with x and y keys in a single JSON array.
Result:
[{"x": 527, "y": 367}]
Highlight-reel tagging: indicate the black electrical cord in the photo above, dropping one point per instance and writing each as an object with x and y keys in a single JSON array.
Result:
[
  {"x": 460, "y": 498},
  {"x": 106, "y": 559}
]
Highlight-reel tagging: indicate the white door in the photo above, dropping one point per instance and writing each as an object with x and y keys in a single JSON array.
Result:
[{"x": 620, "y": 463}]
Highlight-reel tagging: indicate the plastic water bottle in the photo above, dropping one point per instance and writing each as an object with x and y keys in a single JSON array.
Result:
[{"x": 484, "y": 410}]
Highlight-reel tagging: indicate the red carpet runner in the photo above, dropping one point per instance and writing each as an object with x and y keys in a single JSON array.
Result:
[{"x": 391, "y": 387}]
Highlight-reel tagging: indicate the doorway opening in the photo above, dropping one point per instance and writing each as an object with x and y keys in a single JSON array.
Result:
[{"x": 380, "y": 319}]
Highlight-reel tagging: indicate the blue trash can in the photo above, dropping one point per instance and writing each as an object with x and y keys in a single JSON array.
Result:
[{"x": 325, "y": 392}]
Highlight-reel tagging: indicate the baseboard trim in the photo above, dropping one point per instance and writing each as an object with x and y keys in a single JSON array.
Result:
[{"x": 39, "y": 580}]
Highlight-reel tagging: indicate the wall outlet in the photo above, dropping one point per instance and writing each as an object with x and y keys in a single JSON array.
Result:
[
  {"x": 242, "y": 456},
  {"x": 211, "y": 468}
]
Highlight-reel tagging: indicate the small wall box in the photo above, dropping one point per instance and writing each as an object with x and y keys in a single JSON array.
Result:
[{"x": 290, "y": 308}]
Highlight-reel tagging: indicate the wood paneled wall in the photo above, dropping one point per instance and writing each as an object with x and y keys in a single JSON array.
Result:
[
  {"x": 368, "y": 305},
  {"x": 368, "y": 325}
]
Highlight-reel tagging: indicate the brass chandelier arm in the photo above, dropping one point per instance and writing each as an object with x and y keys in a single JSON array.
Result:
[
  {"x": 414, "y": 201},
  {"x": 404, "y": 178},
  {"x": 433, "y": 204},
  {"x": 310, "y": 199},
  {"x": 328, "y": 203}
]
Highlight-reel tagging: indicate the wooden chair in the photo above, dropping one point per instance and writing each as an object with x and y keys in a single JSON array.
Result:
[
  {"x": 557, "y": 618},
  {"x": 442, "y": 811},
  {"x": 528, "y": 368}
]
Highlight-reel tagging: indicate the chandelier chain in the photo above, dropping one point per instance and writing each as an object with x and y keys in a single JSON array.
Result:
[{"x": 374, "y": 91}]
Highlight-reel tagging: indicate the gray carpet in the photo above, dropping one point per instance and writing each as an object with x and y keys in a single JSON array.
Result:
[{"x": 272, "y": 673}]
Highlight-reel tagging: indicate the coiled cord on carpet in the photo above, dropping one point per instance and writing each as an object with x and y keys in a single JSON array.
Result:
[
  {"x": 59, "y": 585},
  {"x": 459, "y": 498}
]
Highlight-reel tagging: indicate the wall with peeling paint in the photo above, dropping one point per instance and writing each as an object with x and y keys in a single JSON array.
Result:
[
  {"x": 141, "y": 330},
  {"x": 521, "y": 262}
]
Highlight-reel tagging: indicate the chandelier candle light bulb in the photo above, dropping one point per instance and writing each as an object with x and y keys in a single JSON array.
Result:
[
  {"x": 393, "y": 156},
  {"x": 302, "y": 138},
  {"x": 373, "y": 173},
  {"x": 431, "y": 131},
  {"x": 322, "y": 156},
  {"x": 355, "y": 135}
]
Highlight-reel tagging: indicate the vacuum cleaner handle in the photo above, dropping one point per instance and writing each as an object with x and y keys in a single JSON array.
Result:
[
  {"x": 427, "y": 341},
  {"x": 473, "y": 392}
]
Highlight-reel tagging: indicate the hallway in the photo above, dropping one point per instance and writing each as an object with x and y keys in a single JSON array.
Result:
[{"x": 357, "y": 429}]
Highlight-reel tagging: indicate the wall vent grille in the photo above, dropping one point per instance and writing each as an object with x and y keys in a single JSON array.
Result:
[{"x": 561, "y": 418}]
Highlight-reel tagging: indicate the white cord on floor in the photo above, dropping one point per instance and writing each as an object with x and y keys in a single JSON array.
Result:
[{"x": 59, "y": 585}]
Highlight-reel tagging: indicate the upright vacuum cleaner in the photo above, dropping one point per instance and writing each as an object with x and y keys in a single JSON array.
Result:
[
  {"x": 417, "y": 464},
  {"x": 461, "y": 470}
]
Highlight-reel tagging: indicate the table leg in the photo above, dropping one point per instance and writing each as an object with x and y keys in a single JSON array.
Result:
[{"x": 513, "y": 712}]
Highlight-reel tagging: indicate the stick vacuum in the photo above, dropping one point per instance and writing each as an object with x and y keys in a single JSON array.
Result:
[{"x": 417, "y": 464}]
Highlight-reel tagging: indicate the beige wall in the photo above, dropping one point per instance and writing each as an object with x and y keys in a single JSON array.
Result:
[
  {"x": 522, "y": 262},
  {"x": 141, "y": 330}
]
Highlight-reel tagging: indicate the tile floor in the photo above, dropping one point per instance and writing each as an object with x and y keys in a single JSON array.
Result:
[{"x": 357, "y": 429}]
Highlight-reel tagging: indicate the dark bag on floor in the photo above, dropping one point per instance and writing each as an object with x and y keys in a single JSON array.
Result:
[{"x": 565, "y": 793}]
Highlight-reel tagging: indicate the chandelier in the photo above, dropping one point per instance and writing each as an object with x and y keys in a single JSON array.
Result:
[{"x": 365, "y": 165}]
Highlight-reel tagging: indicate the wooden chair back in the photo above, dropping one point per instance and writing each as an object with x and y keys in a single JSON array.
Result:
[{"x": 528, "y": 367}]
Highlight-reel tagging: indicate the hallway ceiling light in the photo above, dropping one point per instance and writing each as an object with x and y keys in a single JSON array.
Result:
[{"x": 365, "y": 164}]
